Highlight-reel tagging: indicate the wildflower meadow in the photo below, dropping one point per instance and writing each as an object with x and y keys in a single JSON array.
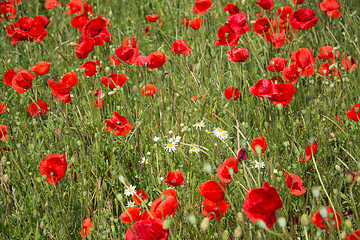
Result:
[{"x": 194, "y": 119}]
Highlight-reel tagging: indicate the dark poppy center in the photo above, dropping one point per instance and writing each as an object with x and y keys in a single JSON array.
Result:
[{"x": 118, "y": 123}]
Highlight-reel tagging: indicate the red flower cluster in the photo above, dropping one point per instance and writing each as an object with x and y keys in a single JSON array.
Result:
[
  {"x": 86, "y": 228},
  {"x": 214, "y": 203},
  {"x": 332, "y": 218},
  {"x": 114, "y": 80},
  {"x": 232, "y": 93},
  {"x": 7, "y": 10},
  {"x": 294, "y": 183},
  {"x": 261, "y": 204},
  {"x": 331, "y": 7},
  {"x": 261, "y": 142},
  {"x": 202, "y": 6},
  {"x": 61, "y": 90},
  {"x": 223, "y": 170},
  {"x": 3, "y": 132},
  {"x": 38, "y": 109},
  {"x": 21, "y": 80},
  {"x": 181, "y": 47},
  {"x": 148, "y": 90},
  {"x": 28, "y": 29},
  {"x": 238, "y": 54},
  {"x": 54, "y": 167},
  {"x": 175, "y": 178},
  {"x": 41, "y": 68},
  {"x": 308, "y": 153},
  {"x": 282, "y": 93},
  {"x": 119, "y": 123},
  {"x": 354, "y": 113},
  {"x": 90, "y": 68}
]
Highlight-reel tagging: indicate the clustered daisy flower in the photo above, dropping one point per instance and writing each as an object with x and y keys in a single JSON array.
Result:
[
  {"x": 194, "y": 150},
  {"x": 130, "y": 190},
  {"x": 199, "y": 125},
  {"x": 156, "y": 138},
  {"x": 130, "y": 204},
  {"x": 171, "y": 146},
  {"x": 175, "y": 139},
  {"x": 259, "y": 164},
  {"x": 220, "y": 133},
  {"x": 144, "y": 161}
]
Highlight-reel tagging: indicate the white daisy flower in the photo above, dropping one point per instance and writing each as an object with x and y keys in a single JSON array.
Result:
[
  {"x": 144, "y": 161},
  {"x": 170, "y": 131},
  {"x": 130, "y": 190},
  {"x": 161, "y": 178},
  {"x": 224, "y": 136},
  {"x": 175, "y": 139},
  {"x": 259, "y": 164},
  {"x": 218, "y": 132},
  {"x": 171, "y": 146},
  {"x": 130, "y": 204},
  {"x": 181, "y": 124},
  {"x": 199, "y": 125},
  {"x": 275, "y": 171},
  {"x": 148, "y": 153},
  {"x": 150, "y": 204},
  {"x": 156, "y": 138},
  {"x": 194, "y": 150}
]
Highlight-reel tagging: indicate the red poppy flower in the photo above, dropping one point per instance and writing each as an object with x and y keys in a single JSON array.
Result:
[
  {"x": 262, "y": 25},
  {"x": 50, "y": 4},
  {"x": 212, "y": 190},
  {"x": 284, "y": 13},
  {"x": 327, "y": 52},
  {"x": 175, "y": 178},
  {"x": 261, "y": 142},
  {"x": 291, "y": 73},
  {"x": 61, "y": 90},
  {"x": 147, "y": 30},
  {"x": 331, "y": 7},
  {"x": 324, "y": 69},
  {"x": 148, "y": 90},
  {"x": 261, "y": 203},
  {"x": 265, "y": 4},
  {"x": 41, "y": 68},
  {"x": 354, "y": 235},
  {"x": 263, "y": 88},
  {"x": 303, "y": 19},
  {"x": 28, "y": 29},
  {"x": 86, "y": 228},
  {"x": 308, "y": 151},
  {"x": 152, "y": 18},
  {"x": 114, "y": 80},
  {"x": 319, "y": 221},
  {"x": 237, "y": 22},
  {"x": 96, "y": 30},
  {"x": 38, "y": 109},
  {"x": 348, "y": 62},
  {"x": 147, "y": 229},
  {"x": 223, "y": 170},
  {"x": 161, "y": 208},
  {"x": 3, "y": 132},
  {"x": 238, "y": 54},
  {"x": 126, "y": 54},
  {"x": 156, "y": 59},
  {"x": 201, "y": 6},
  {"x": 119, "y": 123},
  {"x": 241, "y": 155},
  {"x": 294, "y": 183},
  {"x": 283, "y": 94},
  {"x": 298, "y": 1},
  {"x": 354, "y": 114},
  {"x": 304, "y": 59},
  {"x": 181, "y": 47},
  {"x": 141, "y": 196},
  {"x": 7, "y": 11},
  {"x": 231, "y": 8},
  {"x": 195, "y": 24},
  {"x": 278, "y": 39},
  {"x": 131, "y": 214},
  {"x": 54, "y": 167},
  {"x": 227, "y": 36},
  {"x": 232, "y": 93},
  {"x": 21, "y": 81},
  {"x": 2, "y": 107},
  {"x": 79, "y": 21},
  {"x": 84, "y": 46},
  {"x": 215, "y": 208},
  {"x": 277, "y": 64},
  {"x": 90, "y": 67},
  {"x": 79, "y": 7}
]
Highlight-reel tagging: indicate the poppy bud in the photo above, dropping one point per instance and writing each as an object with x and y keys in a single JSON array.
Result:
[
  {"x": 207, "y": 168},
  {"x": 323, "y": 212},
  {"x": 225, "y": 235},
  {"x": 349, "y": 179},
  {"x": 338, "y": 168},
  {"x": 192, "y": 219},
  {"x": 304, "y": 220},
  {"x": 205, "y": 224},
  {"x": 166, "y": 224},
  {"x": 237, "y": 232},
  {"x": 240, "y": 218},
  {"x": 318, "y": 233},
  {"x": 119, "y": 197},
  {"x": 282, "y": 222},
  {"x": 260, "y": 223},
  {"x": 348, "y": 223},
  {"x": 315, "y": 191}
]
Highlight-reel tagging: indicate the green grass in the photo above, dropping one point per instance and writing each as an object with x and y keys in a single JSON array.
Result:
[{"x": 30, "y": 208}]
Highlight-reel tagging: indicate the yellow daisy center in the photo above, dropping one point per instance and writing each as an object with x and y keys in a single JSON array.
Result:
[
  {"x": 199, "y": 124},
  {"x": 224, "y": 134},
  {"x": 220, "y": 130},
  {"x": 170, "y": 145},
  {"x": 193, "y": 148}
]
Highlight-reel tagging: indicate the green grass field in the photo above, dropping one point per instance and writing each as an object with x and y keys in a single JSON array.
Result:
[{"x": 101, "y": 165}]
